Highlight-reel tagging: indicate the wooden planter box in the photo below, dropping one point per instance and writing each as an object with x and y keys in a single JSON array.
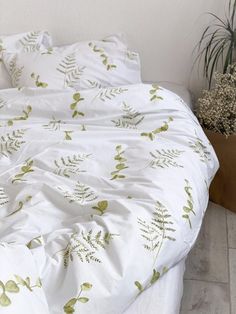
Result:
[{"x": 223, "y": 187}]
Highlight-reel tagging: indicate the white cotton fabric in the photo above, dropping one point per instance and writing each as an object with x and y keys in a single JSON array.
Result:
[{"x": 117, "y": 132}]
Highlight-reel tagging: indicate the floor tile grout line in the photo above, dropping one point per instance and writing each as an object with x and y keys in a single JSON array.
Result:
[
  {"x": 208, "y": 281},
  {"x": 227, "y": 239}
]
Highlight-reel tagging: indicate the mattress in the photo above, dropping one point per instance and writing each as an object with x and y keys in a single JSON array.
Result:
[{"x": 102, "y": 193}]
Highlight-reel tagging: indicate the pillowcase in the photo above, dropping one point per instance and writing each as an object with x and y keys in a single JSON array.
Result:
[
  {"x": 25, "y": 42},
  {"x": 82, "y": 65}
]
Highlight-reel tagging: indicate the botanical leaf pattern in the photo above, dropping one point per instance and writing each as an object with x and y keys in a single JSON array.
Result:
[
  {"x": 24, "y": 170},
  {"x": 70, "y": 69},
  {"x": 14, "y": 286},
  {"x": 120, "y": 166},
  {"x": 11, "y": 142},
  {"x": 151, "y": 135},
  {"x": 154, "y": 93},
  {"x": 199, "y": 148},
  {"x": 15, "y": 71},
  {"x": 4, "y": 199},
  {"x": 188, "y": 208},
  {"x": 85, "y": 246},
  {"x": 103, "y": 56},
  {"x": 110, "y": 93},
  {"x": 130, "y": 119},
  {"x": 69, "y": 165},
  {"x": 77, "y": 98},
  {"x": 165, "y": 158},
  {"x": 69, "y": 307},
  {"x": 21, "y": 204},
  {"x": 54, "y": 124},
  {"x": 82, "y": 194},
  {"x": 30, "y": 42},
  {"x": 37, "y": 81},
  {"x": 25, "y": 115},
  {"x": 101, "y": 207}
]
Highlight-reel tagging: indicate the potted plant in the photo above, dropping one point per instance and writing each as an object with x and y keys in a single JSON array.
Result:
[{"x": 217, "y": 107}]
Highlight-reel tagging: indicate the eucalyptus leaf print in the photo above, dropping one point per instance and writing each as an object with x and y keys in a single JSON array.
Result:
[
  {"x": 4, "y": 199},
  {"x": 164, "y": 128},
  {"x": 130, "y": 118},
  {"x": 54, "y": 124},
  {"x": 2, "y": 103},
  {"x": 69, "y": 307},
  {"x": 82, "y": 194},
  {"x": 101, "y": 207},
  {"x": 120, "y": 166},
  {"x": 30, "y": 42},
  {"x": 165, "y": 158},
  {"x": 70, "y": 69},
  {"x": 154, "y": 93},
  {"x": 14, "y": 286},
  {"x": 37, "y": 81},
  {"x": 85, "y": 246},
  {"x": 199, "y": 148},
  {"x": 15, "y": 71},
  {"x": 69, "y": 165},
  {"x": 103, "y": 56},
  {"x": 21, "y": 204},
  {"x": 11, "y": 142},
  {"x": 74, "y": 106},
  {"x": 25, "y": 116},
  {"x": 35, "y": 242},
  {"x": 188, "y": 208},
  {"x": 68, "y": 135},
  {"x": 110, "y": 93},
  {"x": 24, "y": 170}
]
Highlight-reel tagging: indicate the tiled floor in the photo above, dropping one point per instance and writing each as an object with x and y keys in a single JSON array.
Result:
[{"x": 210, "y": 277}]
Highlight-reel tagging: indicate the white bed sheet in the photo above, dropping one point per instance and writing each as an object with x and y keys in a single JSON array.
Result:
[{"x": 169, "y": 290}]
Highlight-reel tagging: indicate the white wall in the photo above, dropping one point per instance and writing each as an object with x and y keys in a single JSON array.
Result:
[{"x": 164, "y": 32}]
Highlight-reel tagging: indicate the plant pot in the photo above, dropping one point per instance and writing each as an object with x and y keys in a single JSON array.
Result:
[{"x": 223, "y": 187}]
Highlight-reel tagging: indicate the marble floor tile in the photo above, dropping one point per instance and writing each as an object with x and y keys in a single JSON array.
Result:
[
  {"x": 232, "y": 269},
  {"x": 208, "y": 259},
  {"x": 205, "y": 298},
  {"x": 231, "y": 221}
]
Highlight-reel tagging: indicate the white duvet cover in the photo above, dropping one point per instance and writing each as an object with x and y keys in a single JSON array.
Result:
[{"x": 101, "y": 192}]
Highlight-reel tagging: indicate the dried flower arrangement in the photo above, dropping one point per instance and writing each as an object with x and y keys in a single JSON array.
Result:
[{"x": 217, "y": 107}]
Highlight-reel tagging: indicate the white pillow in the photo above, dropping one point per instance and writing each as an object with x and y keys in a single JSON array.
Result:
[
  {"x": 27, "y": 42},
  {"x": 82, "y": 65}
]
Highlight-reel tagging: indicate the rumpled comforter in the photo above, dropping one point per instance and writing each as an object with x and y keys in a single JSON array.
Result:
[{"x": 101, "y": 192}]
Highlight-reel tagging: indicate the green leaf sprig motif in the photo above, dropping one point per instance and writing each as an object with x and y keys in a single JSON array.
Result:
[
  {"x": 69, "y": 307},
  {"x": 25, "y": 115},
  {"x": 85, "y": 246},
  {"x": 53, "y": 124},
  {"x": 154, "y": 93},
  {"x": 13, "y": 286},
  {"x": 15, "y": 71},
  {"x": 188, "y": 208},
  {"x": 110, "y": 93},
  {"x": 68, "y": 136},
  {"x": 25, "y": 169},
  {"x": 21, "y": 204},
  {"x": 82, "y": 194},
  {"x": 151, "y": 135},
  {"x": 30, "y": 42},
  {"x": 66, "y": 166},
  {"x": 165, "y": 158},
  {"x": 77, "y": 98},
  {"x": 130, "y": 119},
  {"x": 199, "y": 148},
  {"x": 4, "y": 199},
  {"x": 37, "y": 81},
  {"x": 11, "y": 142},
  {"x": 101, "y": 207},
  {"x": 103, "y": 56},
  {"x": 120, "y": 166}
]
